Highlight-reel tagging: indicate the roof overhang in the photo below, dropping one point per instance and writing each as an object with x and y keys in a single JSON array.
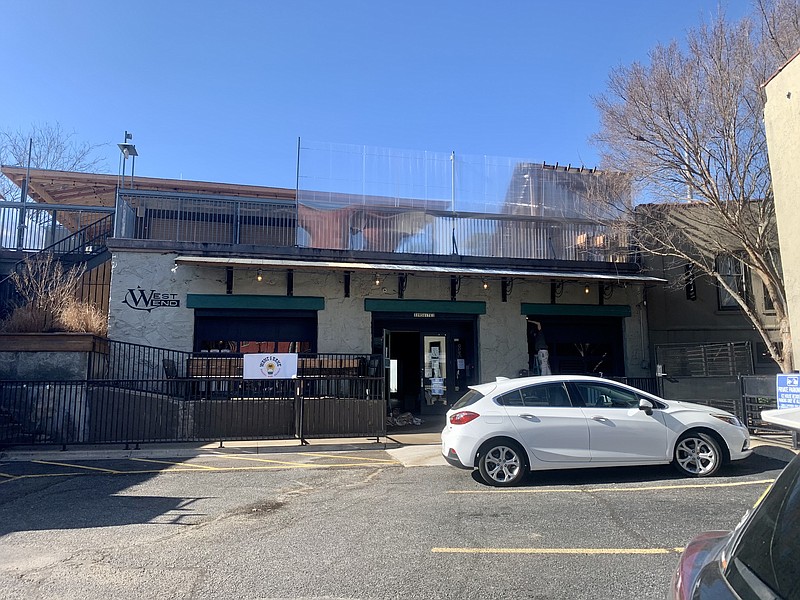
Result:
[
  {"x": 99, "y": 189},
  {"x": 327, "y": 265}
]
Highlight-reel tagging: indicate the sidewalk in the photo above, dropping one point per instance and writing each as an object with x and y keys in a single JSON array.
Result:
[
  {"x": 427, "y": 444},
  {"x": 191, "y": 449}
]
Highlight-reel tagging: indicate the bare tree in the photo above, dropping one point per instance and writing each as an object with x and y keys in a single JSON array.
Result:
[
  {"x": 52, "y": 148},
  {"x": 686, "y": 129}
]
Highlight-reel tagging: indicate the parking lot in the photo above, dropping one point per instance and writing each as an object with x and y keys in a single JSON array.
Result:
[{"x": 354, "y": 524}]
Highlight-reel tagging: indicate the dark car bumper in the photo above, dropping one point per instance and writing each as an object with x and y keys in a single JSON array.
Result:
[{"x": 699, "y": 572}]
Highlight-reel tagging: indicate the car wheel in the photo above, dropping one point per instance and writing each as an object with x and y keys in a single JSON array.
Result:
[
  {"x": 502, "y": 463},
  {"x": 697, "y": 454}
]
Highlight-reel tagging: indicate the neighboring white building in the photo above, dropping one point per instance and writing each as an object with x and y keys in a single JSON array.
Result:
[{"x": 782, "y": 121}]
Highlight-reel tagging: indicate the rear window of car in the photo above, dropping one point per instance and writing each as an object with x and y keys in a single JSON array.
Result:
[
  {"x": 766, "y": 553},
  {"x": 471, "y": 397},
  {"x": 540, "y": 395}
]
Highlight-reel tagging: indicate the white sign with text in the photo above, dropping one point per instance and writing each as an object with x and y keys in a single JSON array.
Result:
[{"x": 270, "y": 366}]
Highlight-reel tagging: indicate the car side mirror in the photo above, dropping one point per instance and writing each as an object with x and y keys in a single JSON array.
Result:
[{"x": 646, "y": 406}]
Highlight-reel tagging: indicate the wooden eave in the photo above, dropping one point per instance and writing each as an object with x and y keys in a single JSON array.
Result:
[{"x": 97, "y": 189}]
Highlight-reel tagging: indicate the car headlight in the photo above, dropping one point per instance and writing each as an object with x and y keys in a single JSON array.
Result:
[{"x": 729, "y": 419}]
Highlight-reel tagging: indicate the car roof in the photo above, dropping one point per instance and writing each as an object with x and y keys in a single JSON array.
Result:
[{"x": 502, "y": 385}]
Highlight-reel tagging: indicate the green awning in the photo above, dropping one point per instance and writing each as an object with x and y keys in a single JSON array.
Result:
[
  {"x": 255, "y": 302},
  {"x": 577, "y": 310},
  {"x": 425, "y": 306}
]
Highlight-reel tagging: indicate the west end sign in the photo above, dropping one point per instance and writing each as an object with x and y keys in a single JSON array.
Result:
[{"x": 140, "y": 299}]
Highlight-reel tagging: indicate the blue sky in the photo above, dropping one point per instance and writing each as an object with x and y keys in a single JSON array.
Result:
[{"x": 221, "y": 91}]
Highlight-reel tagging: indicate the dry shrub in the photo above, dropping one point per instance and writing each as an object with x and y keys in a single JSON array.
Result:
[
  {"x": 48, "y": 300},
  {"x": 82, "y": 317},
  {"x": 24, "y": 319}
]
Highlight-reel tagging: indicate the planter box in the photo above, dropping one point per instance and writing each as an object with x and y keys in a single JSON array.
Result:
[
  {"x": 50, "y": 356},
  {"x": 51, "y": 342}
]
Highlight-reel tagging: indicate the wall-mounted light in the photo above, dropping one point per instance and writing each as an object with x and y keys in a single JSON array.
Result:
[
  {"x": 586, "y": 289},
  {"x": 485, "y": 284},
  {"x": 377, "y": 279},
  {"x": 259, "y": 275}
]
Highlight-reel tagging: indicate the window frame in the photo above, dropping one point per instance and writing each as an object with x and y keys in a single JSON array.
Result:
[{"x": 737, "y": 276}]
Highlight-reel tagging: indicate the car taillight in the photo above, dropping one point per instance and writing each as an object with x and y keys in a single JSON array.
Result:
[{"x": 465, "y": 416}]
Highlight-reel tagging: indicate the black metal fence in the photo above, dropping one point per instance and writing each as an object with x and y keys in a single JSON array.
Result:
[
  {"x": 758, "y": 393},
  {"x": 205, "y": 398},
  {"x": 85, "y": 247}
]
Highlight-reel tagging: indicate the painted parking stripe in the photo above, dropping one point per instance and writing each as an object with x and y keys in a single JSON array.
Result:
[
  {"x": 189, "y": 466},
  {"x": 576, "y": 551},
  {"x": 271, "y": 461},
  {"x": 72, "y": 466},
  {"x": 179, "y": 467},
  {"x": 386, "y": 461},
  {"x": 291, "y": 464},
  {"x": 615, "y": 489}
]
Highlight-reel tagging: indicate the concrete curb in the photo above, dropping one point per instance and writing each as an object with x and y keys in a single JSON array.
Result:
[{"x": 161, "y": 451}]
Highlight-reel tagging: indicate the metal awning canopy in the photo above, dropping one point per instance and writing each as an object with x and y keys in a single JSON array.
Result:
[
  {"x": 325, "y": 265},
  {"x": 99, "y": 189}
]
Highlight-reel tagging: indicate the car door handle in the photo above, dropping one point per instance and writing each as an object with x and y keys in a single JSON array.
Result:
[
  {"x": 528, "y": 417},
  {"x": 599, "y": 418}
]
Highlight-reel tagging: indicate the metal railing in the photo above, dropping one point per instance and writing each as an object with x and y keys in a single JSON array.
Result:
[
  {"x": 143, "y": 215},
  {"x": 44, "y": 226},
  {"x": 86, "y": 246},
  {"x": 759, "y": 392},
  {"x": 334, "y": 395}
]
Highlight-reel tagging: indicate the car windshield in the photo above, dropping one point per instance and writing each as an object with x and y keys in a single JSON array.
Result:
[
  {"x": 765, "y": 558},
  {"x": 471, "y": 397}
]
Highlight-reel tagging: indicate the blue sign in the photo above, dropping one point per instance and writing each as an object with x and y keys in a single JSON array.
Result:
[{"x": 788, "y": 390}]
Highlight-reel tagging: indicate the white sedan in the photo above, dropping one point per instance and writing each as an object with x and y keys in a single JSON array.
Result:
[{"x": 511, "y": 426}]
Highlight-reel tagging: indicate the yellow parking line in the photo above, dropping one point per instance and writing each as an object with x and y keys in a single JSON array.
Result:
[
  {"x": 761, "y": 497},
  {"x": 557, "y": 550},
  {"x": 366, "y": 459},
  {"x": 60, "y": 464},
  {"x": 294, "y": 464},
  {"x": 178, "y": 468},
  {"x": 270, "y": 461},
  {"x": 175, "y": 464},
  {"x": 613, "y": 489}
]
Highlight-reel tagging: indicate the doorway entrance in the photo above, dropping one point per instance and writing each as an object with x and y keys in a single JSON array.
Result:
[{"x": 429, "y": 363}]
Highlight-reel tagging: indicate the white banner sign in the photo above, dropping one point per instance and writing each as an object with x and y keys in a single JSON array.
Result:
[{"x": 270, "y": 366}]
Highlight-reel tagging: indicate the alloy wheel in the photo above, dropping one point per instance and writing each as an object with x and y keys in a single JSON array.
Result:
[
  {"x": 503, "y": 464},
  {"x": 696, "y": 456}
]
